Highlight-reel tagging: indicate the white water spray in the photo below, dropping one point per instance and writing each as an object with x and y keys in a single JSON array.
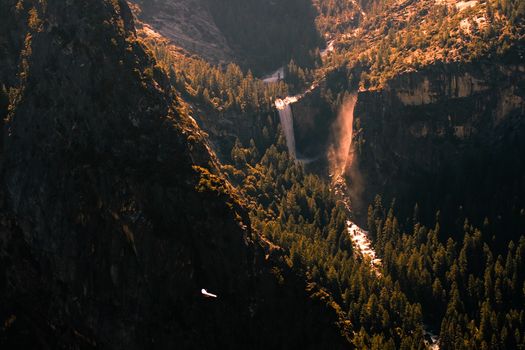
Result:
[
  {"x": 286, "y": 117},
  {"x": 341, "y": 154}
]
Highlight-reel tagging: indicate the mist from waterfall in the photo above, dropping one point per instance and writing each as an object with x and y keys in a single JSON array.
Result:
[
  {"x": 286, "y": 117},
  {"x": 341, "y": 152},
  {"x": 343, "y": 165}
]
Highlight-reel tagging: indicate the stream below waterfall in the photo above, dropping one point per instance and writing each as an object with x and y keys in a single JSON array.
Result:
[{"x": 364, "y": 248}]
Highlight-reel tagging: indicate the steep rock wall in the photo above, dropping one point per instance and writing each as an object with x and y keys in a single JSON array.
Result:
[
  {"x": 428, "y": 132},
  {"x": 313, "y": 118}
]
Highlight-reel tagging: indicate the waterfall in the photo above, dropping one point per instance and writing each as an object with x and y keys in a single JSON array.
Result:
[
  {"x": 343, "y": 166},
  {"x": 286, "y": 117},
  {"x": 341, "y": 156},
  {"x": 285, "y": 110}
]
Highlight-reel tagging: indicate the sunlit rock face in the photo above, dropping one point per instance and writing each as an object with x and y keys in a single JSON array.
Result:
[
  {"x": 187, "y": 24},
  {"x": 416, "y": 93},
  {"x": 260, "y": 35}
]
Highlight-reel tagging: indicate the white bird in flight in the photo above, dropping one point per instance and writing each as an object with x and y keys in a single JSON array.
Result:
[{"x": 208, "y": 295}]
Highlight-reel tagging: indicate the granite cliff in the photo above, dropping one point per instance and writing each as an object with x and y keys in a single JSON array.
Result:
[{"x": 428, "y": 132}]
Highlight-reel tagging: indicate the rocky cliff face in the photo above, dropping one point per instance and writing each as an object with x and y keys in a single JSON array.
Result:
[
  {"x": 114, "y": 215},
  {"x": 187, "y": 24},
  {"x": 312, "y": 124},
  {"x": 430, "y": 131}
]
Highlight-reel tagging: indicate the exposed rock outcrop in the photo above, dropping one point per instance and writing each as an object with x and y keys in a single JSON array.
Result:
[{"x": 187, "y": 24}]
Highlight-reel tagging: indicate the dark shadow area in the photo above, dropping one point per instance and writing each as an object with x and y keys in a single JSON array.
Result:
[
  {"x": 268, "y": 33},
  {"x": 451, "y": 156}
]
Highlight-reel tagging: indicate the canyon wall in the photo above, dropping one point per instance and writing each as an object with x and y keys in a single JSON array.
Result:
[
  {"x": 313, "y": 118},
  {"x": 428, "y": 132}
]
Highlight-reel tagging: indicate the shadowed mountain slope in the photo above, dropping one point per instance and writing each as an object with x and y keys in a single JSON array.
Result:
[{"x": 114, "y": 215}]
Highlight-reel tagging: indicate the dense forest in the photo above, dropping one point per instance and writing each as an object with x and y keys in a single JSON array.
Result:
[
  {"x": 472, "y": 293},
  {"x": 301, "y": 213},
  {"x": 221, "y": 89}
]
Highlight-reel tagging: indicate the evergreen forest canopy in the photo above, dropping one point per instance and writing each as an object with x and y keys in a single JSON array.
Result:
[{"x": 472, "y": 294}]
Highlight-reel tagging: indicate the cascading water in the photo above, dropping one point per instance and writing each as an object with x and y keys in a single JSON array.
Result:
[
  {"x": 286, "y": 117},
  {"x": 285, "y": 110},
  {"x": 341, "y": 153},
  {"x": 341, "y": 158}
]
